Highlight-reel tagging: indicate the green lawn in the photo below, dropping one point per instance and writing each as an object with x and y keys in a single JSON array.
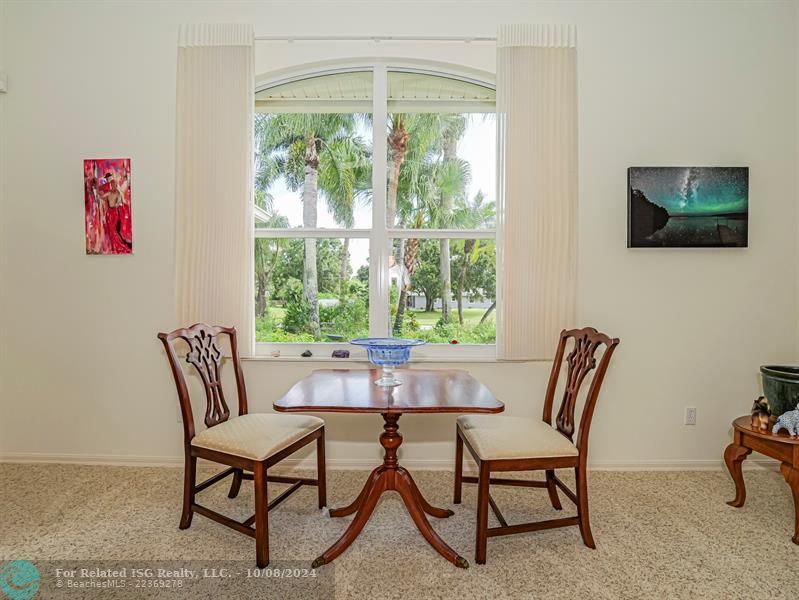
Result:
[
  {"x": 471, "y": 316},
  {"x": 278, "y": 313},
  {"x": 426, "y": 322}
]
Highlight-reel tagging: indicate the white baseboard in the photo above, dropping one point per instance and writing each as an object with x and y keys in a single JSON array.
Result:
[
  {"x": 680, "y": 465},
  {"x": 357, "y": 464},
  {"x": 110, "y": 460}
]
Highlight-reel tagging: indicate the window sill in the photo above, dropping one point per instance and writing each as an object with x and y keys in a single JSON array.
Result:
[
  {"x": 431, "y": 353},
  {"x": 363, "y": 361}
]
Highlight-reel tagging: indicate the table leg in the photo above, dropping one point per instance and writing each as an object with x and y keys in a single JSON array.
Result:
[
  {"x": 376, "y": 487},
  {"x": 390, "y": 476},
  {"x": 734, "y": 455},
  {"x": 439, "y": 513},
  {"x": 356, "y": 504},
  {"x": 791, "y": 475},
  {"x": 410, "y": 494}
]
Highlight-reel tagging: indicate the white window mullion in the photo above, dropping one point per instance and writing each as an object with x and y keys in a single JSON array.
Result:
[
  {"x": 443, "y": 234},
  {"x": 379, "y": 245},
  {"x": 318, "y": 233}
]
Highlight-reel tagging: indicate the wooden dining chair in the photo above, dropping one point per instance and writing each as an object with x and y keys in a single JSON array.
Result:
[
  {"x": 249, "y": 444},
  {"x": 503, "y": 444}
]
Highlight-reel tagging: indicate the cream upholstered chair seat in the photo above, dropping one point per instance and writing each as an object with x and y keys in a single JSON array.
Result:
[
  {"x": 256, "y": 436},
  {"x": 497, "y": 438}
]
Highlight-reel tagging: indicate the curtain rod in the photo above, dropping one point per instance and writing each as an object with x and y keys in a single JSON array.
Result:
[{"x": 373, "y": 38}]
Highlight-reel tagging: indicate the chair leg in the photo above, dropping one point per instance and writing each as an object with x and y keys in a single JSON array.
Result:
[
  {"x": 553, "y": 490},
  {"x": 458, "y": 466},
  {"x": 261, "y": 516},
  {"x": 189, "y": 483},
  {"x": 321, "y": 477},
  {"x": 582, "y": 506},
  {"x": 482, "y": 514},
  {"x": 235, "y": 485}
]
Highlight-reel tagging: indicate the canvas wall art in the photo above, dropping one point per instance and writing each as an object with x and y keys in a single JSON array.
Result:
[
  {"x": 107, "y": 197},
  {"x": 687, "y": 207}
]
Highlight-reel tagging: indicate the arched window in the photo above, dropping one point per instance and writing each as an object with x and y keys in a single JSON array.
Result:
[{"x": 375, "y": 193}]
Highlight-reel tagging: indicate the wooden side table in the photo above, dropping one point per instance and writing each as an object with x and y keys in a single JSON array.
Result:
[{"x": 775, "y": 445}]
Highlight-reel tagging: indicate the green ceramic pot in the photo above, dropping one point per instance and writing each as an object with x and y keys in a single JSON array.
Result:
[{"x": 781, "y": 387}]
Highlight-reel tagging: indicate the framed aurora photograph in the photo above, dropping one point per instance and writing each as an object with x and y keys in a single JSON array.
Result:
[
  {"x": 107, "y": 206},
  {"x": 688, "y": 207}
]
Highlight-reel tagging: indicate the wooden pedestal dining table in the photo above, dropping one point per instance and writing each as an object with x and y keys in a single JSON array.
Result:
[{"x": 422, "y": 391}]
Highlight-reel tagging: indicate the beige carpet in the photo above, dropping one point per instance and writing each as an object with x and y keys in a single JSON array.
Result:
[{"x": 659, "y": 535}]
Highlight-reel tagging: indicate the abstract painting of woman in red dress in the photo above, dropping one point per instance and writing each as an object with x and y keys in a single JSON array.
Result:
[{"x": 106, "y": 193}]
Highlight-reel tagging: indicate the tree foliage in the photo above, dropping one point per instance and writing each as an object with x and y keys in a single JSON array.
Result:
[
  {"x": 290, "y": 266},
  {"x": 305, "y": 288}
]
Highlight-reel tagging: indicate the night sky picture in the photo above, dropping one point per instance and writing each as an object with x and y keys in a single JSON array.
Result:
[{"x": 687, "y": 207}]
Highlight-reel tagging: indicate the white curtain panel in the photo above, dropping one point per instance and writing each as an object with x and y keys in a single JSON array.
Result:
[
  {"x": 214, "y": 155},
  {"x": 537, "y": 120}
]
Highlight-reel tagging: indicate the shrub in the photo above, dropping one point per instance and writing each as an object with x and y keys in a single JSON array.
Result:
[
  {"x": 348, "y": 319},
  {"x": 444, "y": 333},
  {"x": 296, "y": 319}
]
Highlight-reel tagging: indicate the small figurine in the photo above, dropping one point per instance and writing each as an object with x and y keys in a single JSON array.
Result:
[
  {"x": 789, "y": 421},
  {"x": 306, "y": 354},
  {"x": 760, "y": 414},
  {"x": 275, "y": 353},
  {"x": 341, "y": 353}
]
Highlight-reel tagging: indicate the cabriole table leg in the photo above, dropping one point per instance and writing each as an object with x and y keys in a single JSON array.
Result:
[
  {"x": 734, "y": 455},
  {"x": 791, "y": 475}
]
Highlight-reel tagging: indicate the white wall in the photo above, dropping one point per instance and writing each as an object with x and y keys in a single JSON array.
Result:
[
  {"x": 3, "y": 144},
  {"x": 704, "y": 83}
]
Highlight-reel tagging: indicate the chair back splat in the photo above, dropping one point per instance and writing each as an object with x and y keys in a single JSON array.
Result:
[
  {"x": 580, "y": 361},
  {"x": 206, "y": 356}
]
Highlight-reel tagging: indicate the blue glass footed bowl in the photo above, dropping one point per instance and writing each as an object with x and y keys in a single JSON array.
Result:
[{"x": 388, "y": 353}]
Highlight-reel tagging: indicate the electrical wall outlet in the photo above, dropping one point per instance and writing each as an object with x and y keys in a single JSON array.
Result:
[{"x": 690, "y": 415}]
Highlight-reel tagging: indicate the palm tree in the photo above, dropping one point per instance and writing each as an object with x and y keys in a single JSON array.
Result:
[
  {"x": 411, "y": 137},
  {"x": 267, "y": 251},
  {"x": 471, "y": 215},
  {"x": 452, "y": 185},
  {"x": 411, "y": 249},
  {"x": 439, "y": 179},
  {"x": 423, "y": 191},
  {"x": 397, "y": 148},
  {"x": 319, "y": 154},
  {"x": 345, "y": 174}
]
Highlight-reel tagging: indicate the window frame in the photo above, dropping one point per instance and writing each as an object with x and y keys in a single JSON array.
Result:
[{"x": 379, "y": 235}]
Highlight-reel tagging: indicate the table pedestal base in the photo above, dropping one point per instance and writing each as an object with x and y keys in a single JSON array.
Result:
[{"x": 386, "y": 477}]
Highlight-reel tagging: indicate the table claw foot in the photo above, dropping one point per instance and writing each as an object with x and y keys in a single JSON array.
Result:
[
  {"x": 438, "y": 513},
  {"x": 734, "y": 455},
  {"x": 318, "y": 562},
  {"x": 461, "y": 563}
]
